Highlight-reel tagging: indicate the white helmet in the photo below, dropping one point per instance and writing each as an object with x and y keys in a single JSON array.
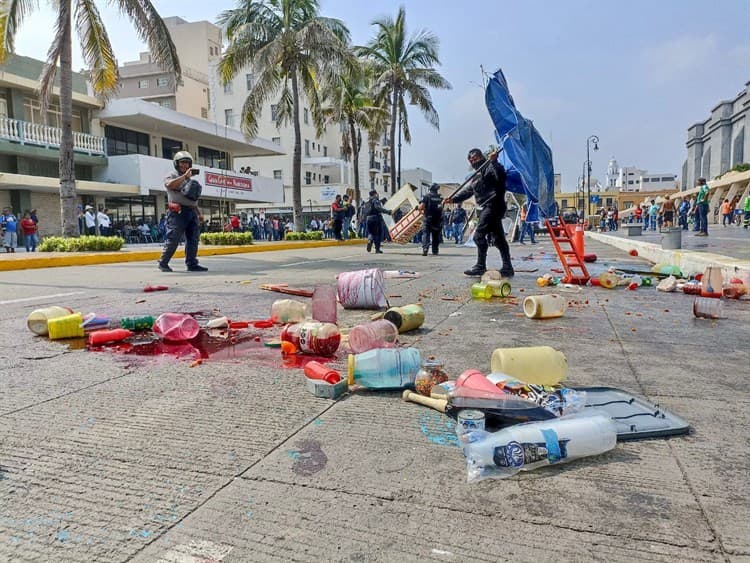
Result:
[{"x": 181, "y": 155}]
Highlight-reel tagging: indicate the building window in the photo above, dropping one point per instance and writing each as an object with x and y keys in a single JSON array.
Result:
[
  {"x": 162, "y": 81},
  {"x": 307, "y": 116},
  {"x": 630, "y": 182},
  {"x": 169, "y": 147},
  {"x": 564, "y": 203},
  {"x": 307, "y": 147},
  {"x": 228, "y": 88},
  {"x": 325, "y": 151},
  {"x": 167, "y": 103},
  {"x": 667, "y": 179},
  {"x": 276, "y": 140},
  {"x": 143, "y": 84},
  {"x": 326, "y": 179},
  {"x": 3, "y": 105},
  {"x": 274, "y": 112},
  {"x": 250, "y": 81},
  {"x": 277, "y": 174},
  {"x": 308, "y": 178},
  {"x": 204, "y": 113},
  {"x": 32, "y": 112},
  {"x": 228, "y": 118},
  {"x": 125, "y": 141},
  {"x": 212, "y": 158}
]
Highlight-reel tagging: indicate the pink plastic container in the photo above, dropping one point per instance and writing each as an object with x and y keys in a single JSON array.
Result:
[
  {"x": 176, "y": 327},
  {"x": 324, "y": 304},
  {"x": 377, "y": 334}
]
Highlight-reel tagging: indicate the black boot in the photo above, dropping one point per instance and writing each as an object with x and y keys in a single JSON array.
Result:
[
  {"x": 476, "y": 270},
  {"x": 507, "y": 271}
]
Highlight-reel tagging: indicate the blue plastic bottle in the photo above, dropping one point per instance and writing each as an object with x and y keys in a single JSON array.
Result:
[{"x": 384, "y": 368}]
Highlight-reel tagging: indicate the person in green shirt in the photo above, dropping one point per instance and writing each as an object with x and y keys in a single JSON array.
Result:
[
  {"x": 746, "y": 209},
  {"x": 701, "y": 202}
]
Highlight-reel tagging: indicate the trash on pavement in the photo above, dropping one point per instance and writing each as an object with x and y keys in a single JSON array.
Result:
[
  {"x": 289, "y": 311},
  {"x": 407, "y": 317},
  {"x": 481, "y": 291},
  {"x": 707, "y": 308},
  {"x": 384, "y": 368},
  {"x": 362, "y": 289},
  {"x": 405, "y": 274},
  {"x": 68, "y": 326},
  {"x": 284, "y": 288},
  {"x": 544, "y": 306},
  {"x": 667, "y": 284},
  {"x": 313, "y": 337},
  {"x": 430, "y": 374},
  {"x": 324, "y": 304},
  {"x": 381, "y": 333},
  {"x": 712, "y": 282},
  {"x": 538, "y": 365},
  {"x": 99, "y": 337},
  {"x": 316, "y": 370},
  {"x": 176, "y": 327},
  {"x": 37, "y": 319},
  {"x": 152, "y": 288}
]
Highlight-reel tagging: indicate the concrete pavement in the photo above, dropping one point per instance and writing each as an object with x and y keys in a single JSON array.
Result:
[{"x": 129, "y": 458}]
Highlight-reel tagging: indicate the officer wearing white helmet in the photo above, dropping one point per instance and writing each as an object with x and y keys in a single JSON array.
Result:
[{"x": 183, "y": 216}]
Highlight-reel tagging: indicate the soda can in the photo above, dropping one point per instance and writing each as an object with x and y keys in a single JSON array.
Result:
[{"x": 469, "y": 420}]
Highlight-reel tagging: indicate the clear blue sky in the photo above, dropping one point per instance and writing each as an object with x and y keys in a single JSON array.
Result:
[{"x": 635, "y": 73}]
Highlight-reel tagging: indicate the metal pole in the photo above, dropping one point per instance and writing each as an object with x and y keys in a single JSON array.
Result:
[{"x": 588, "y": 178}]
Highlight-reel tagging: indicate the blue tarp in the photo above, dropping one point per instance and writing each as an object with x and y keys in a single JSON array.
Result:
[{"x": 526, "y": 157}]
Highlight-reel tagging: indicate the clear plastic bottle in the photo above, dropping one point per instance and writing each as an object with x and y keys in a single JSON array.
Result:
[
  {"x": 524, "y": 447},
  {"x": 176, "y": 327},
  {"x": 384, "y": 368},
  {"x": 324, "y": 304},
  {"x": 376, "y": 334},
  {"x": 313, "y": 337},
  {"x": 544, "y": 306},
  {"x": 289, "y": 311}
]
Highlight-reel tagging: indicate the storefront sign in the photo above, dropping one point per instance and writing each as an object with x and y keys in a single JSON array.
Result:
[
  {"x": 328, "y": 193},
  {"x": 227, "y": 181}
]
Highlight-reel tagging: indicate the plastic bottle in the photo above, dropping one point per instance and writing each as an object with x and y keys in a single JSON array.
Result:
[
  {"x": 609, "y": 280},
  {"x": 538, "y": 365},
  {"x": 176, "y": 327},
  {"x": 500, "y": 288},
  {"x": 37, "y": 319},
  {"x": 707, "y": 308},
  {"x": 544, "y": 306},
  {"x": 376, "y": 334},
  {"x": 114, "y": 335},
  {"x": 313, "y": 337},
  {"x": 69, "y": 326},
  {"x": 481, "y": 291},
  {"x": 316, "y": 370},
  {"x": 712, "y": 282},
  {"x": 324, "y": 304},
  {"x": 384, "y": 368},
  {"x": 524, "y": 447},
  {"x": 289, "y": 311},
  {"x": 406, "y": 318},
  {"x": 143, "y": 322}
]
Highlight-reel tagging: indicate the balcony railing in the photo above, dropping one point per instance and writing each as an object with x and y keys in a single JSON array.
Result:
[
  {"x": 374, "y": 165},
  {"x": 28, "y": 133}
]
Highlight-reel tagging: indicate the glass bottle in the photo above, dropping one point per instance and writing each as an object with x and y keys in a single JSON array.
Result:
[{"x": 430, "y": 374}]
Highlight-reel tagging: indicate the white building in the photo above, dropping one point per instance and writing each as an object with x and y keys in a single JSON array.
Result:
[
  {"x": 418, "y": 177},
  {"x": 633, "y": 179}
]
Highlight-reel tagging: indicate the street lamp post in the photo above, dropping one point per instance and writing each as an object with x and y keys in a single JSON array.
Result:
[{"x": 592, "y": 139}]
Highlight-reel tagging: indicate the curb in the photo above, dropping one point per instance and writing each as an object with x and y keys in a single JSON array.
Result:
[
  {"x": 689, "y": 261},
  {"x": 62, "y": 259}
]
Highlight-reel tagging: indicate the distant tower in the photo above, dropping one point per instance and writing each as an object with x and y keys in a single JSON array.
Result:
[{"x": 613, "y": 172}]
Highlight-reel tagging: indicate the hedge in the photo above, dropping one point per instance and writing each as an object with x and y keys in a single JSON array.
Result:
[
  {"x": 80, "y": 244},
  {"x": 225, "y": 239},
  {"x": 313, "y": 235}
]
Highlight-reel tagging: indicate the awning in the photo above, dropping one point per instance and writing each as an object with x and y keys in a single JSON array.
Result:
[{"x": 52, "y": 185}]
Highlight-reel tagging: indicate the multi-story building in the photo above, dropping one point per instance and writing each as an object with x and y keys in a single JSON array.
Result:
[
  {"x": 633, "y": 179},
  {"x": 717, "y": 144},
  {"x": 122, "y": 153},
  {"x": 418, "y": 177}
]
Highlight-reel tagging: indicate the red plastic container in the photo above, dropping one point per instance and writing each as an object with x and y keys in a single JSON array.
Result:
[
  {"x": 313, "y": 337},
  {"x": 105, "y": 336},
  {"x": 150, "y": 288},
  {"x": 316, "y": 370}
]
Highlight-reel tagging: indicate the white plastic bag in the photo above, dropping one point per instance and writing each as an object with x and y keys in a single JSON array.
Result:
[{"x": 667, "y": 284}]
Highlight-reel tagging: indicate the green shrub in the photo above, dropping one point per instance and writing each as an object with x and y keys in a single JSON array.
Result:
[
  {"x": 314, "y": 235},
  {"x": 80, "y": 244},
  {"x": 226, "y": 239}
]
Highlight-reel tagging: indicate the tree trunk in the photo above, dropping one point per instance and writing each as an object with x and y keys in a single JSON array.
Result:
[
  {"x": 297, "y": 159},
  {"x": 68, "y": 198},
  {"x": 392, "y": 140},
  {"x": 355, "y": 159}
]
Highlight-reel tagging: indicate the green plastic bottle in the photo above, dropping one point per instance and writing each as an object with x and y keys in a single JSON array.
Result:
[{"x": 144, "y": 322}]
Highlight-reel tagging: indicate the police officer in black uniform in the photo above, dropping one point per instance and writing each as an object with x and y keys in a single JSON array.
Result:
[
  {"x": 372, "y": 211},
  {"x": 432, "y": 208},
  {"x": 488, "y": 189}
]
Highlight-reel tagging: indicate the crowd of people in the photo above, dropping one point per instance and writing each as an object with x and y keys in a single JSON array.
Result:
[{"x": 28, "y": 227}]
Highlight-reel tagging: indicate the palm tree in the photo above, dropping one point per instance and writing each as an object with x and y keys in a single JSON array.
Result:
[
  {"x": 289, "y": 45},
  {"x": 347, "y": 102},
  {"x": 405, "y": 66},
  {"x": 99, "y": 56}
]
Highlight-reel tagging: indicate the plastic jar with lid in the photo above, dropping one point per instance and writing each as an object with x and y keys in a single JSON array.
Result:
[{"x": 430, "y": 374}]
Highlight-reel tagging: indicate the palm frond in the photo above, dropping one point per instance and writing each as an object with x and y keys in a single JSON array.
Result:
[
  {"x": 266, "y": 84},
  {"x": 96, "y": 48},
  {"x": 12, "y": 14},
  {"x": 47, "y": 78}
]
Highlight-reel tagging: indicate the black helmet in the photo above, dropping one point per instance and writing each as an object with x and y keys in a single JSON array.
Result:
[{"x": 434, "y": 188}]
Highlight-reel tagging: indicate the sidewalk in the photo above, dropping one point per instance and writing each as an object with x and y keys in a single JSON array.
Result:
[
  {"x": 22, "y": 260},
  {"x": 728, "y": 247}
]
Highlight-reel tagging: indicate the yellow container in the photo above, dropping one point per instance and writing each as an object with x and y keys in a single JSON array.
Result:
[
  {"x": 37, "y": 320},
  {"x": 68, "y": 326},
  {"x": 406, "y": 318},
  {"x": 481, "y": 291},
  {"x": 609, "y": 280},
  {"x": 500, "y": 288},
  {"x": 538, "y": 365},
  {"x": 544, "y": 306}
]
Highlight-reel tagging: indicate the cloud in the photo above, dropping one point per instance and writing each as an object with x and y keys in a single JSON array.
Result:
[{"x": 678, "y": 58}]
